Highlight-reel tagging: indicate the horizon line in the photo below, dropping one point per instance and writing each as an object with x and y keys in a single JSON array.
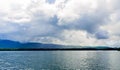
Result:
[{"x": 59, "y": 49}]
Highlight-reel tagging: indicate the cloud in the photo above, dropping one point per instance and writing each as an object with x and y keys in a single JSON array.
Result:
[
  {"x": 50, "y": 1},
  {"x": 102, "y": 35},
  {"x": 88, "y": 22},
  {"x": 5, "y": 29}
]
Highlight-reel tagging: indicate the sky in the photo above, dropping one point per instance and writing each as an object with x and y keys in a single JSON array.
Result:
[{"x": 66, "y": 22}]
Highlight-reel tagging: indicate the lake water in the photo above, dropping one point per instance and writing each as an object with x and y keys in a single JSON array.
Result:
[{"x": 59, "y": 60}]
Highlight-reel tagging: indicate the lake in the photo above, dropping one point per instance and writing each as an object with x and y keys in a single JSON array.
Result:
[{"x": 59, "y": 60}]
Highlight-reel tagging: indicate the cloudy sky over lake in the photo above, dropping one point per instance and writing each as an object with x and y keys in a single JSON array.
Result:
[{"x": 68, "y": 22}]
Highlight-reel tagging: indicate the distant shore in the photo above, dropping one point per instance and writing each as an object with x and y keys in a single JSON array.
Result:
[{"x": 59, "y": 49}]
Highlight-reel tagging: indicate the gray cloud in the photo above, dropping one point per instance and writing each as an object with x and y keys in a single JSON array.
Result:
[
  {"x": 50, "y": 18},
  {"x": 51, "y": 1},
  {"x": 102, "y": 35}
]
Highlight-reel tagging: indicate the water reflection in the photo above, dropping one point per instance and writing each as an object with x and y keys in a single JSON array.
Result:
[
  {"x": 114, "y": 60},
  {"x": 98, "y": 61},
  {"x": 86, "y": 60},
  {"x": 60, "y": 60}
]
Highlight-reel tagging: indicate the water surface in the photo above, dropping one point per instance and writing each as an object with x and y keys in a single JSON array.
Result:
[{"x": 59, "y": 60}]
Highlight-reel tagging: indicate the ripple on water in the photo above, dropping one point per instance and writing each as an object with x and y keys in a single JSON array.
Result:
[{"x": 59, "y": 60}]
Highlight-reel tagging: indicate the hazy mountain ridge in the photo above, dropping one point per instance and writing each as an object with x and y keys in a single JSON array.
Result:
[
  {"x": 8, "y": 44},
  {"x": 15, "y": 44}
]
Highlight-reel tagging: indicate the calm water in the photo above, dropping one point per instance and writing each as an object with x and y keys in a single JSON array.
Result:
[{"x": 59, "y": 60}]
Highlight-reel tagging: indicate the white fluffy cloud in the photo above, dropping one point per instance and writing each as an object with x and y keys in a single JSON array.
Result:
[{"x": 71, "y": 22}]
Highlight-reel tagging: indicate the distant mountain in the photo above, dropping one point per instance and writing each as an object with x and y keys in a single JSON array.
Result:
[
  {"x": 7, "y": 44},
  {"x": 15, "y": 44}
]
